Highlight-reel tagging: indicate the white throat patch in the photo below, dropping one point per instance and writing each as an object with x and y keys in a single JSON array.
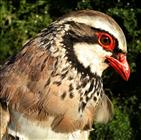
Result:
[{"x": 92, "y": 55}]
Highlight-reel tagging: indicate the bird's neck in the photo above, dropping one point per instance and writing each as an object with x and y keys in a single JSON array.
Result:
[{"x": 89, "y": 86}]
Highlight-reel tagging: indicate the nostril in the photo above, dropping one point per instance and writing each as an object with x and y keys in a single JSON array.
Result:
[
  {"x": 121, "y": 57},
  {"x": 117, "y": 57}
]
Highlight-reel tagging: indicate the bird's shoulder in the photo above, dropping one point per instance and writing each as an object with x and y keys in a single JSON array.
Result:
[{"x": 23, "y": 77}]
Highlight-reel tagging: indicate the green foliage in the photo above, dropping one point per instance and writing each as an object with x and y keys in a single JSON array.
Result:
[
  {"x": 22, "y": 19},
  {"x": 118, "y": 129},
  {"x": 19, "y": 21}
]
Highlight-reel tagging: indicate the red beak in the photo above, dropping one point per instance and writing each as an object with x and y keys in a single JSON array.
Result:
[{"x": 120, "y": 65}]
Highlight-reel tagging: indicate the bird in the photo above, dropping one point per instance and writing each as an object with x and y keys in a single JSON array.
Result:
[{"x": 52, "y": 89}]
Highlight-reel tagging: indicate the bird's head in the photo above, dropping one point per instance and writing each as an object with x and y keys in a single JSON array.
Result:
[{"x": 98, "y": 42}]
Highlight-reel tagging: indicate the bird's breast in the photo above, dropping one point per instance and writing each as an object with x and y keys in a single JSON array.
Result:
[{"x": 26, "y": 129}]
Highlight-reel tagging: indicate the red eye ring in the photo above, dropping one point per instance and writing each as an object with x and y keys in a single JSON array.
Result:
[{"x": 106, "y": 41}]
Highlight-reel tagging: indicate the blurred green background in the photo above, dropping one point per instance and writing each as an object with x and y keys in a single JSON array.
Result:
[{"x": 23, "y": 19}]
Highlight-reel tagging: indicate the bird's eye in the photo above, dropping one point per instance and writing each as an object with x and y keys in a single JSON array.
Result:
[{"x": 106, "y": 41}]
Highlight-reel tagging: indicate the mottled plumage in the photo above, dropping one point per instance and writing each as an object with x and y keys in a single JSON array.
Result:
[{"x": 53, "y": 88}]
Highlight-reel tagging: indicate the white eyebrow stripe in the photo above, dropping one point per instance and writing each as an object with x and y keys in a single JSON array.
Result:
[{"x": 97, "y": 22}]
